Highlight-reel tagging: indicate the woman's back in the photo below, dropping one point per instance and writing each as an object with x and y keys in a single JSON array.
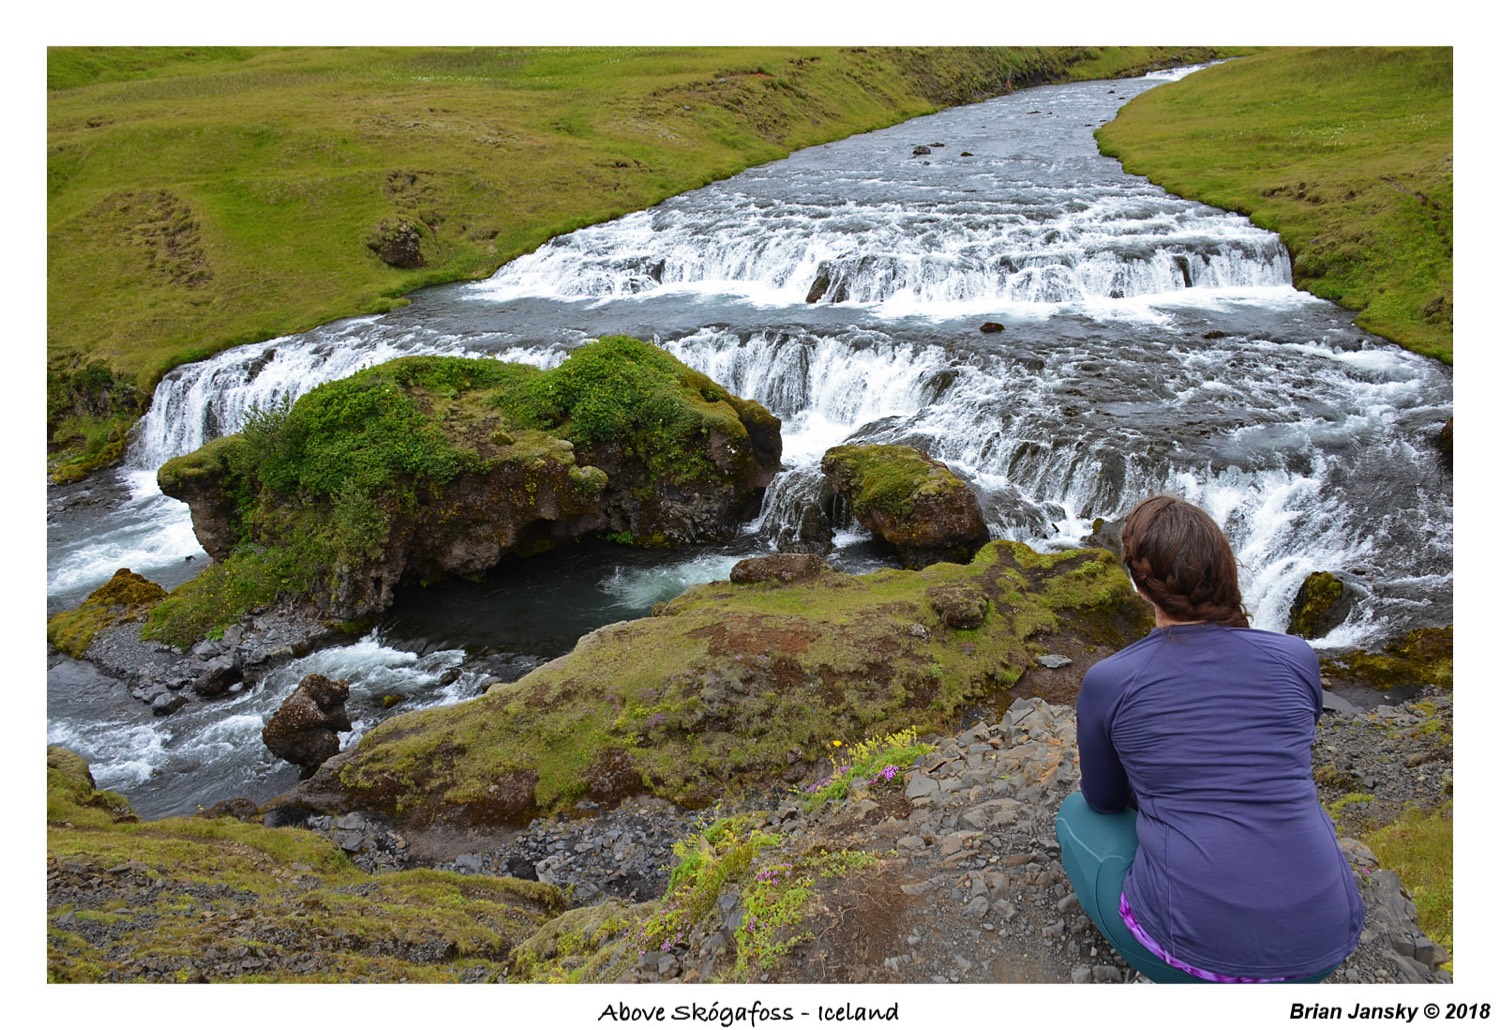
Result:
[{"x": 1210, "y": 727}]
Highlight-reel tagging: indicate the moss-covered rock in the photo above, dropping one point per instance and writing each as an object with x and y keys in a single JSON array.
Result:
[
  {"x": 127, "y": 597},
  {"x": 1321, "y": 604},
  {"x": 732, "y": 684},
  {"x": 909, "y": 500},
  {"x": 429, "y": 467},
  {"x": 221, "y": 900}
]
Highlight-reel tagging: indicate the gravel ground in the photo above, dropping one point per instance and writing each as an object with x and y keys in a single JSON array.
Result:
[{"x": 972, "y": 890}]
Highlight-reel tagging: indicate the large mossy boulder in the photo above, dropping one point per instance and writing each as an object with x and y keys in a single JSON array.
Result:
[
  {"x": 428, "y": 467},
  {"x": 1322, "y": 603},
  {"x": 909, "y": 500},
  {"x": 305, "y": 729},
  {"x": 734, "y": 684}
]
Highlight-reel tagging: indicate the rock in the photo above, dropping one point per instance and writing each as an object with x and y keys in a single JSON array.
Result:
[
  {"x": 912, "y": 502},
  {"x": 166, "y": 702},
  {"x": 398, "y": 245},
  {"x": 1445, "y": 444},
  {"x": 305, "y": 729},
  {"x": 243, "y": 809},
  {"x": 920, "y": 151},
  {"x": 961, "y": 607},
  {"x": 820, "y": 285},
  {"x": 217, "y": 676},
  {"x": 991, "y": 327},
  {"x": 779, "y": 568},
  {"x": 1322, "y": 603},
  {"x": 1054, "y": 661}
]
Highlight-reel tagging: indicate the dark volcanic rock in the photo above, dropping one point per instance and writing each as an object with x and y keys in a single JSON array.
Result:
[
  {"x": 399, "y": 245},
  {"x": 305, "y": 729}
]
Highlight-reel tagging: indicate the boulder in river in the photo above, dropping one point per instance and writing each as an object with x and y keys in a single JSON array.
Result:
[
  {"x": 1322, "y": 603},
  {"x": 909, "y": 500},
  {"x": 305, "y": 729}
]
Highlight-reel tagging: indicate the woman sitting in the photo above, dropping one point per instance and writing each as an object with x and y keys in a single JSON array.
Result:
[{"x": 1198, "y": 846}]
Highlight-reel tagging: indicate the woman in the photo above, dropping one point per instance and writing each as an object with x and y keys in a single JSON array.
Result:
[{"x": 1198, "y": 846}]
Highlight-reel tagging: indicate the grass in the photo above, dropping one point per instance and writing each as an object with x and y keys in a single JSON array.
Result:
[
  {"x": 1347, "y": 152},
  {"x": 199, "y": 198},
  {"x": 1419, "y": 848}
]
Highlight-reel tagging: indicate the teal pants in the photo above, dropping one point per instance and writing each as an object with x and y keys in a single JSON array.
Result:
[{"x": 1097, "y": 851}]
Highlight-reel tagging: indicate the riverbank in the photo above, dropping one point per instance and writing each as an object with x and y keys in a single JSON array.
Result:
[
  {"x": 1346, "y": 152},
  {"x": 203, "y": 198},
  {"x": 943, "y": 871}
]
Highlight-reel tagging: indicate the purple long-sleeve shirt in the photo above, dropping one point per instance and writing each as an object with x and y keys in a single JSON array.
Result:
[{"x": 1208, "y": 730}]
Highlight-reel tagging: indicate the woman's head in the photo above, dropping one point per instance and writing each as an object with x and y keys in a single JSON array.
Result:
[{"x": 1181, "y": 562}]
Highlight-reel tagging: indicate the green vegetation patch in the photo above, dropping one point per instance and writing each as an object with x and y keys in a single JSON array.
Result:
[
  {"x": 1347, "y": 152},
  {"x": 1420, "y": 657},
  {"x": 219, "y": 900},
  {"x": 730, "y": 684},
  {"x": 202, "y": 197}
]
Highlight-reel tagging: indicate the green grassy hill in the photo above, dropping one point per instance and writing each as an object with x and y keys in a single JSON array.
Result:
[
  {"x": 1347, "y": 152},
  {"x": 202, "y": 198}
]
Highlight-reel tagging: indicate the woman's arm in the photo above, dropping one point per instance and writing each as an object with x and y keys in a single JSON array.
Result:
[{"x": 1106, "y": 787}]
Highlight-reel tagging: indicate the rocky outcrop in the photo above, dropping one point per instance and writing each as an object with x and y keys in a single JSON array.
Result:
[
  {"x": 431, "y": 467},
  {"x": 127, "y": 597},
  {"x": 305, "y": 729},
  {"x": 907, "y": 499},
  {"x": 398, "y": 245}
]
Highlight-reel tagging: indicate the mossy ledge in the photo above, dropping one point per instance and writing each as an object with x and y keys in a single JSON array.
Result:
[
  {"x": 427, "y": 467},
  {"x": 731, "y": 685},
  {"x": 908, "y": 499},
  {"x": 216, "y": 899}
]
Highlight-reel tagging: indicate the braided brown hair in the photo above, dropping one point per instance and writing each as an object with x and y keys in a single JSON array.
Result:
[{"x": 1181, "y": 561}]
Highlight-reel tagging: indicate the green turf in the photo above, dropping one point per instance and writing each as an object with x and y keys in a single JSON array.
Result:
[{"x": 1347, "y": 152}]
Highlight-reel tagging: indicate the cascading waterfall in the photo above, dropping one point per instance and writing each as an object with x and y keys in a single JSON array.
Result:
[{"x": 1141, "y": 343}]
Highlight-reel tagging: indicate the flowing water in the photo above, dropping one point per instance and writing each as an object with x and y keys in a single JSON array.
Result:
[{"x": 1149, "y": 344}]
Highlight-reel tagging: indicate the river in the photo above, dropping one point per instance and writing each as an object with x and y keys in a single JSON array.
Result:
[{"x": 1149, "y": 344}]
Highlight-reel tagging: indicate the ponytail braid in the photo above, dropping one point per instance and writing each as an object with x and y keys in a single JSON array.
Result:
[{"x": 1181, "y": 561}]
